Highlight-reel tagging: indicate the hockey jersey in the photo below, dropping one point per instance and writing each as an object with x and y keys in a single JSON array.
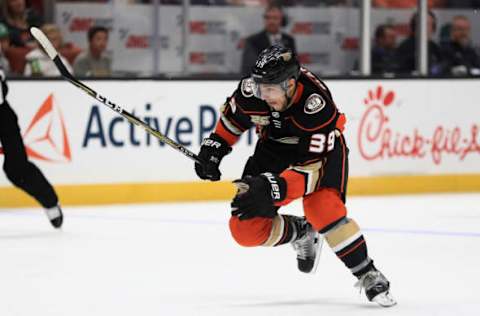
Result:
[
  {"x": 303, "y": 135},
  {"x": 309, "y": 127}
]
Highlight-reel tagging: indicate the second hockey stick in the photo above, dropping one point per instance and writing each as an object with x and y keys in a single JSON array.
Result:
[{"x": 53, "y": 55}]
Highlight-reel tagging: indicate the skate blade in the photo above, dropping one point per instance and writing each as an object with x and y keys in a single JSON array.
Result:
[
  {"x": 318, "y": 252},
  {"x": 385, "y": 299}
]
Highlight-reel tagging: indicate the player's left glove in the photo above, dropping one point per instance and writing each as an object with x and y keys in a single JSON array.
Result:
[{"x": 256, "y": 196}]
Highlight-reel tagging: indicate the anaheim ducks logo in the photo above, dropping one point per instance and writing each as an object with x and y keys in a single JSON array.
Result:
[
  {"x": 247, "y": 87},
  {"x": 315, "y": 103}
]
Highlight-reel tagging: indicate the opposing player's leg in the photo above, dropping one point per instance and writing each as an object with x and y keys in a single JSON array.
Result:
[
  {"x": 21, "y": 172},
  {"x": 325, "y": 210}
]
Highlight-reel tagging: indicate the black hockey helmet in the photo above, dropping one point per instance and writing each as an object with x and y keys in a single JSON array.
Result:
[{"x": 275, "y": 65}]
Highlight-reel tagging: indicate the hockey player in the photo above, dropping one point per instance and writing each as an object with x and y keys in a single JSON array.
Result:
[
  {"x": 21, "y": 172},
  {"x": 301, "y": 153}
]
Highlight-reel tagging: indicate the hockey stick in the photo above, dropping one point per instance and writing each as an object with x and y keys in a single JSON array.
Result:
[{"x": 53, "y": 54}]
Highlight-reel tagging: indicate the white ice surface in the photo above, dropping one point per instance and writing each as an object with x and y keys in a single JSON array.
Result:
[{"x": 179, "y": 259}]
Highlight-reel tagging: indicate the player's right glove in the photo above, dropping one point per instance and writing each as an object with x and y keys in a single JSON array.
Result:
[
  {"x": 212, "y": 151},
  {"x": 257, "y": 196}
]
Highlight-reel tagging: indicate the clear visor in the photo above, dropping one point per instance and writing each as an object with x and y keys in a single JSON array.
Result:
[{"x": 269, "y": 91}]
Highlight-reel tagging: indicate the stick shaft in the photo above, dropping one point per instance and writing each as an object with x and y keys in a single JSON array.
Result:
[
  {"x": 53, "y": 54},
  {"x": 130, "y": 117}
]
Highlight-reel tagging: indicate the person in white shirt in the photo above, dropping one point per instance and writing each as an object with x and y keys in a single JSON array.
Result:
[{"x": 38, "y": 63}]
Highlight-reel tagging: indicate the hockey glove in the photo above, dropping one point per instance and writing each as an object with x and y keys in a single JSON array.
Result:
[
  {"x": 212, "y": 151},
  {"x": 256, "y": 196}
]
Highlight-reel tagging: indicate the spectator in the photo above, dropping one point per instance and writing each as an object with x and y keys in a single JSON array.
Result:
[
  {"x": 461, "y": 58},
  {"x": 94, "y": 62},
  {"x": 274, "y": 19},
  {"x": 406, "y": 53},
  {"x": 383, "y": 51},
  {"x": 19, "y": 19},
  {"x": 4, "y": 45},
  {"x": 38, "y": 63}
]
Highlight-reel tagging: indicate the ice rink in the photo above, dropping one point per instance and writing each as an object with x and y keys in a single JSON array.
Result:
[{"x": 179, "y": 259}]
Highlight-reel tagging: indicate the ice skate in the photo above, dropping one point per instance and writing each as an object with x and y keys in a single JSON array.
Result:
[
  {"x": 55, "y": 216},
  {"x": 377, "y": 288},
  {"x": 308, "y": 247}
]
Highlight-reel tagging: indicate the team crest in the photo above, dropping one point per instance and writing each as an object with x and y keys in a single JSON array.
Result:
[
  {"x": 247, "y": 87},
  {"x": 315, "y": 103}
]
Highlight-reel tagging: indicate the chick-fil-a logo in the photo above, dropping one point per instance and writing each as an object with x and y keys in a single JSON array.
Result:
[{"x": 377, "y": 140}]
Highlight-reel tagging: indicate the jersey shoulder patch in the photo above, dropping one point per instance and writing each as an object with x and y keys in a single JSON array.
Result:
[
  {"x": 246, "y": 87},
  {"x": 316, "y": 113},
  {"x": 244, "y": 100},
  {"x": 314, "y": 104}
]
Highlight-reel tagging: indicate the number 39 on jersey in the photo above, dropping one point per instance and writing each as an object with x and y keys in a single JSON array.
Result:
[{"x": 322, "y": 143}]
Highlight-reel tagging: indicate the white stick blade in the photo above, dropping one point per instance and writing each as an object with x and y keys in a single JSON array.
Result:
[{"x": 44, "y": 41}]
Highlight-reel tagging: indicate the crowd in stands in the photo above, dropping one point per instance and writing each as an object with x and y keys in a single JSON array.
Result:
[
  {"x": 406, "y": 4},
  {"x": 376, "y": 3},
  {"x": 20, "y": 55},
  {"x": 452, "y": 55},
  {"x": 403, "y": 4}
]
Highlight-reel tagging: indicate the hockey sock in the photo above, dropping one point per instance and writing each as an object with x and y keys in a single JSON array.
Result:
[
  {"x": 347, "y": 241},
  {"x": 285, "y": 229}
]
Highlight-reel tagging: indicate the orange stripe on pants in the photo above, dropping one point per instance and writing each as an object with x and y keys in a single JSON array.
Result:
[
  {"x": 250, "y": 232},
  {"x": 323, "y": 208}
]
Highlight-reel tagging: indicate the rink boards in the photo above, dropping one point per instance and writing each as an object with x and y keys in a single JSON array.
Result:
[{"x": 405, "y": 136}]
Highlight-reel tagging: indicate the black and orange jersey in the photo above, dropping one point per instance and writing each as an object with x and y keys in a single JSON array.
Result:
[
  {"x": 298, "y": 142},
  {"x": 306, "y": 130}
]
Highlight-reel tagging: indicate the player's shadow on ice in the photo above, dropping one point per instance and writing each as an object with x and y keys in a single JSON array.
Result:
[
  {"x": 313, "y": 302},
  {"x": 28, "y": 235}
]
